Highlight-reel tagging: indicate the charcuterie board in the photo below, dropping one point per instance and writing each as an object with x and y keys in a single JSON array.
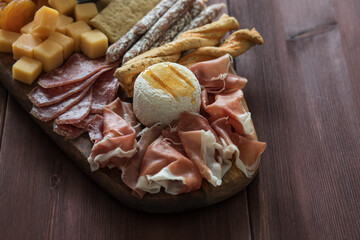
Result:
[{"x": 79, "y": 149}]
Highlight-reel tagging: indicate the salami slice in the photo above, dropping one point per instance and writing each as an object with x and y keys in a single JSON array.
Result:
[
  {"x": 117, "y": 50},
  {"x": 77, "y": 68},
  {"x": 104, "y": 91},
  {"x": 40, "y": 96},
  {"x": 158, "y": 29},
  {"x": 48, "y": 113},
  {"x": 68, "y": 131},
  {"x": 83, "y": 123},
  {"x": 95, "y": 128},
  {"x": 77, "y": 112}
]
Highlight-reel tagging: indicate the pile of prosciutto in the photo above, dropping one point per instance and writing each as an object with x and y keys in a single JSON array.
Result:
[
  {"x": 74, "y": 95},
  {"x": 194, "y": 147}
]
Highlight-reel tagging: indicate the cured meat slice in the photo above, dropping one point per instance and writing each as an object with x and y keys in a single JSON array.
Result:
[
  {"x": 246, "y": 151},
  {"x": 40, "y": 96},
  {"x": 67, "y": 130},
  {"x": 83, "y": 123},
  {"x": 77, "y": 68},
  {"x": 165, "y": 167},
  {"x": 95, "y": 128},
  {"x": 77, "y": 112},
  {"x": 104, "y": 91},
  {"x": 131, "y": 170},
  {"x": 48, "y": 113},
  {"x": 201, "y": 145},
  {"x": 119, "y": 142}
]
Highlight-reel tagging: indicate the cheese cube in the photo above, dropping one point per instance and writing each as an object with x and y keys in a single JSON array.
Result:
[
  {"x": 63, "y": 6},
  {"x": 27, "y": 28},
  {"x": 7, "y": 39},
  {"x": 24, "y": 45},
  {"x": 62, "y": 22},
  {"x": 66, "y": 42},
  {"x": 85, "y": 11},
  {"x": 45, "y": 22},
  {"x": 26, "y": 70},
  {"x": 50, "y": 54},
  {"x": 94, "y": 44},
  {"x": 74, "y": 30}
]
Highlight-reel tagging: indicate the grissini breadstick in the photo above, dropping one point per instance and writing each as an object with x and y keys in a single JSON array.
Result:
[
  {"x": 117, "y": 50},
  {"x": 208, "y": 35},
  {"x": 237, "y": 43},
  {"x": 180, "y": 24},
  {"x": 158, "y": 29}
]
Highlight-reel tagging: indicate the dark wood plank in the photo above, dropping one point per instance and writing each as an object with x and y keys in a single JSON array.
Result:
[
  {"x": 304, "y": 101},
  {"x": 3, "y": 102}
]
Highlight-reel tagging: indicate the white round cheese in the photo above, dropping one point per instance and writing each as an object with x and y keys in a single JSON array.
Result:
[{"x": 163, "y": 91}]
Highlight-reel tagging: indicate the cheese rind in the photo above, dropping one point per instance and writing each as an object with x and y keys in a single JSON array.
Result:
[
  {"x": 74, "y": 30},
  {"x": 66, "y": 42},
  {"x": 7, "y": 39},
  {"x": 85, "y": 11},
  {"x": 94, "y": 44},
  {"x": 44, "y": 22},
  {"x": 62, "y": 22},
  {"x": 63, "y": 6},
  {"x": 24, "y": 45},
  {"x": 26, "y": 70},
  {"x": 50, "y": 54}
]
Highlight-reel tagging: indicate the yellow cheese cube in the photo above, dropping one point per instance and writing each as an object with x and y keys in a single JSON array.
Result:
[
  {"x": 7, "y": 39},
  {"x": 26, "y": 70},
  {"x": 45, "y": 22},
  {"x": 63, "y": 6},
  {"x": 62, "y": 22},
  {"x": 50, "y": 54},
  {"x": 27, "y": 28},
  {"x": 24, "y": 45},
  {"x": 85, "y": 11},
  {"x": 66, "y": 42},
  {"x": 74, "y": 30},
  {"x": 94, "y": 44}
]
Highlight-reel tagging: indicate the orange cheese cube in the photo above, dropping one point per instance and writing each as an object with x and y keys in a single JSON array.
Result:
[
  {"x": 85, "y": 11},
  {"x": 62, "y": 22},
  {"x": 94, "y": 44},
  {"x": 63, "y": 6},
  {"x": 45, "y": 22},
  {"x": 26, "y": 70},
  {"x": 74, "y": 30},
  {"x": 27, "y": 28},
  {"x": 66, "y": 42},
  {"x": 24, "y": 45},
  {"x": 50, "y": 54},
  {"x": 7, "y": 39}
]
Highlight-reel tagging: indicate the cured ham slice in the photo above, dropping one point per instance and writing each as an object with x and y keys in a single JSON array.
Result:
[
  {"x": 163, "y": 166},
  {"x": 119, "y": 142},
  {"x": 77, "y": 68},
  {"x": 201, "y": 145},
  {"x": 246, "y": 151},
  {"x": 95, "y": 128},
  {"x": 48, "y": 113},
  {"x": 131, "y": 170},
  {"x": 40, "y": 96},
  {"x": 67, "y": 130},
  {"x": 104, "y": 91},
  {"x": 77, "y": 112}
]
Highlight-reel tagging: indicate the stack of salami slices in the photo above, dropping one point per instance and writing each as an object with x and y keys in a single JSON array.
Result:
[{"x": 74, "y": 95}]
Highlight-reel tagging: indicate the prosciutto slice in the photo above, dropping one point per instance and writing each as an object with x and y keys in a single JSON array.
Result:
[
  {"x": 77, "y": 112},
  {"x": 40, "y": 96},
  {"x": 48, "y": 113},
  {"x": 119, "y": 142},
  {"x": 67, "y": 130},
  {"x": 201, "y": 145},
  {"x": 104, "y": 91},
  {"x": 246, "y": 151},
  {"x": 163, "y": 166},
  {"x": 77, "y": 68}
]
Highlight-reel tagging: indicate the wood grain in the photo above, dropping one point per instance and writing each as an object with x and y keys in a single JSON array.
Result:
[{"x": 3, "y": 102}]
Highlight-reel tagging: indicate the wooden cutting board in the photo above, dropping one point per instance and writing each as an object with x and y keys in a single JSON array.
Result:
[{"x": 110, "y": 180}]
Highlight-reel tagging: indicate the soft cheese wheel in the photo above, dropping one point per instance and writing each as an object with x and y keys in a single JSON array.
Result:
[{"x": 163, "y": 91}]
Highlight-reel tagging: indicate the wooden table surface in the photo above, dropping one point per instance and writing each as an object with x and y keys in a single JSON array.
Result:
[{"x": 303, "y": 92}]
